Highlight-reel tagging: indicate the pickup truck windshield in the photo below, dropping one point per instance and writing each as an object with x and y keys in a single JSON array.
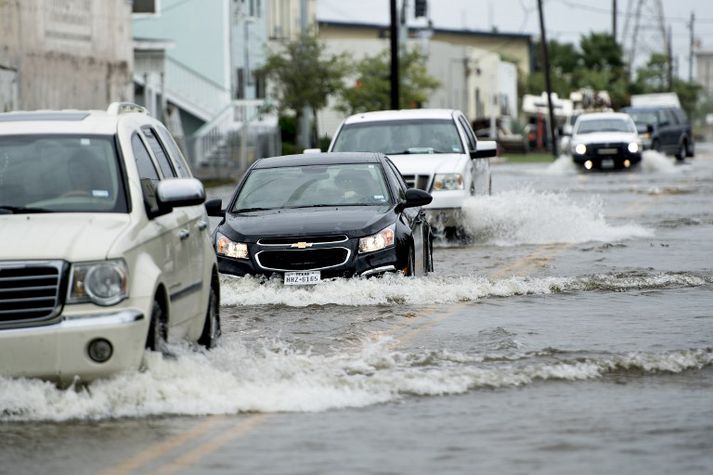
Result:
[
  {"x": 59, "y": 174},
  {"x": 400, "y": 137},
  {"x": 605, "y": 125}
]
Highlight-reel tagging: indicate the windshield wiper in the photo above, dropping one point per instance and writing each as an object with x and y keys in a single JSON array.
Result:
[
  {"x": 247, "y": 210},
  {"x": 5, "y": 209},
  {"x": 313, "y": 206}
]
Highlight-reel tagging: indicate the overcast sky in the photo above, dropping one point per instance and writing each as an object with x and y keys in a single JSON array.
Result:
[{"x": 565, "y": 20}]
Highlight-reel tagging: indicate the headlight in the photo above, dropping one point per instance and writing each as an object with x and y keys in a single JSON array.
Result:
[
  {"x": 448, "y": 181},
  {"x": 226, "y": 247},
  {"x": 581, "y": 149},
  {"x": 633, "y": 147},
  {"x": 378, "y": 241},
  {"x": 103, "y": 283}
]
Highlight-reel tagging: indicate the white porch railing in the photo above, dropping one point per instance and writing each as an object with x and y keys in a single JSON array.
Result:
[{"x": 198, "y": 94}]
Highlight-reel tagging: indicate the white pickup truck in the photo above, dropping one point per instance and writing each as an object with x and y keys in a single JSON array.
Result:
[{"x": 434, "y": 149}]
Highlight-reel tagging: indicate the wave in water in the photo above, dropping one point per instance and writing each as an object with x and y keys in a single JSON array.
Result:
[
  {"x": 394, "y": 289},
  {"x": 530, "y": 217},
  {"x": 275, "y": 378}
]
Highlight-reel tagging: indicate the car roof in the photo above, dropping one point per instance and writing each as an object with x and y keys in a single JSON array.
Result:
[
  {"x": 60, "y": 122},
  {"x": 603, "y": 115},
  {"x": 404, "y": 114},
  {"x": 331, "y": 158}
]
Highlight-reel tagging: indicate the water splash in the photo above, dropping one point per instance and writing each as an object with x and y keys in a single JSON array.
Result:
[{"x": 526, "y": 216}]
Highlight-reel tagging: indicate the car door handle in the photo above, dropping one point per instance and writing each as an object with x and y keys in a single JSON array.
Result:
[
  {"x": 202, "y": 226},
  {"x": 183, "y": 234}
]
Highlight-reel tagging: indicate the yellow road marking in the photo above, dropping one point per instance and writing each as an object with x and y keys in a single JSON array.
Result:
[
  {"x": 194, "y": 456},
  {"x": 156, "y": 451}
]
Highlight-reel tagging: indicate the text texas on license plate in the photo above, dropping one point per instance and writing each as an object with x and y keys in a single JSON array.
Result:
[{"x": 302, "y": 278}]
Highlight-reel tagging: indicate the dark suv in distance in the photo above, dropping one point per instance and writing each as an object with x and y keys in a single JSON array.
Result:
[{"x": 664, "y": 129}]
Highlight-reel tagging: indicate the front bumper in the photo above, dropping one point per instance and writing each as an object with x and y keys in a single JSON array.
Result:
[
  {"x": 385, "y": 260},
  {"x": 443, "y": 218},
  {"x": 598, "y": 160},
  {"x": 59, "y": 351}
]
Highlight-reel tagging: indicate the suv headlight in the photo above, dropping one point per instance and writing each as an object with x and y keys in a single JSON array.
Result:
[
  {"x": 633, "y": 147},
  {"x": 102, "y": 282},
  {"x": 378, "y": 241},
  {"x": 580, "y": 148},
  {"x": 448, "y": 181},
  {"x": 229, "y": 248}
]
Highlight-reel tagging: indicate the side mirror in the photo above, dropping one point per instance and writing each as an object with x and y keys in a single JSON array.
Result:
[
  {"x": 415, "y": 198},
  {"x": 665, "y": 123},
  {"x": 176, "y": 192},
  {"x": 485, "y": 149},
  {"x": 215, "y": 208}
]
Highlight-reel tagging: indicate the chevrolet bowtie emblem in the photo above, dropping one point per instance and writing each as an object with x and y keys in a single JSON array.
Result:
[{"x": 301, "y": 245}]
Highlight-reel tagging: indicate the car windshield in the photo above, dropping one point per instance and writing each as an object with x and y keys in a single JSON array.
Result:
[
  {"x": 399, "y": 137},
  {"x": 590, "y": 126},
  {"x": 52, "y": 173},
  {"x": 351, "y": 184},
  {"x": 643, "y": 117}
]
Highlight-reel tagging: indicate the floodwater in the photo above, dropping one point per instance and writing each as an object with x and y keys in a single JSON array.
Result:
[{"x": 574, "y": 333}]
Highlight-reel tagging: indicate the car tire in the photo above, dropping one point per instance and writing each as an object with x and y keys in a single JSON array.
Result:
[
  {"x": 158, "y": 331},
  {"x": 211, "y": 326},
  {"x": 682, "y": 151},
  {"x": 410, "y": 270}
]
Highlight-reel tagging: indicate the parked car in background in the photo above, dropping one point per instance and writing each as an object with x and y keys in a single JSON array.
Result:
[
  {"x": 434, "y": 149},
  {"x": 664, "y": 129},
  {"x": 309, "y": 217},
  {"x": 605, "y": 140},
  {"x": 105, "y": 248}
]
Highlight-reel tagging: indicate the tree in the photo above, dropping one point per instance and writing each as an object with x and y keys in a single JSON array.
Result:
[
  {"x": 303, "y": 75},
  {"x": 372, "y": 87}
]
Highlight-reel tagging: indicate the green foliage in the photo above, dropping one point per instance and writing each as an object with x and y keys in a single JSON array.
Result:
[
  {"x": 304, "y": 75},
  {"x": 372, "y": 87}
]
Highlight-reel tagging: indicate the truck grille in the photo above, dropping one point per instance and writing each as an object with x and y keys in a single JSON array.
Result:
[
  {"x": 298, "y": 260},
  {"x": 30, "y": 291},
  {"x": 417, "y": 181}
]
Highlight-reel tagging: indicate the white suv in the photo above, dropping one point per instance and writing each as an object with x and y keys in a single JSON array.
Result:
[
  {"x": 434, "y": 149},
  {"x": 105, "y": 244}
]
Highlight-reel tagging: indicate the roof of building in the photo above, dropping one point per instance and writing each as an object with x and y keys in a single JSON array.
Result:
[{"x": 450, "y": 31}]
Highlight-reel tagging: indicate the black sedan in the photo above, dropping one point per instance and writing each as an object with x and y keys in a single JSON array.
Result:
[{"x": 315, "y": 216}]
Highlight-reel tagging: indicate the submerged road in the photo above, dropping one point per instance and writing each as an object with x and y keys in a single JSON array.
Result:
[{"x": 573, "y": 334}]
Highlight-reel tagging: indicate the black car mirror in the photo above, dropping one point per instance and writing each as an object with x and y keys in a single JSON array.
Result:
[
  {"x": 415, "y": 198},
  {"x": 664, "y": 123},
  {"x": 215, "y": 208}
]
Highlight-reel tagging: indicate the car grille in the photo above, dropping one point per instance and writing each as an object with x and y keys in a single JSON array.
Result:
[
  {"x": 31, "y": 291},
  {"x": 302, "y": 259},
  {"x": 288, "y": 241},
  {"x": 601, "y": 148},
  {"x": 417, "y": 181}
]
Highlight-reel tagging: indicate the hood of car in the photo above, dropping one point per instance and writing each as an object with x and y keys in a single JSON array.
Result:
[
  {"x": 70, "y": 236},
  {"x": 430, "y": 163},
  {"x": 605, "y": 137},
  {"x": 354, "y": 221}
]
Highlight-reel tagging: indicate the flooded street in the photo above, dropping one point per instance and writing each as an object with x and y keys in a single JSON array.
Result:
[{"x": 574, "y": 333}]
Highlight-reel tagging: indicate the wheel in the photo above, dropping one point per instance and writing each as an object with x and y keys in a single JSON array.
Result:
[
  {"x": 158, "y": 332},
  {"x": 682, "y": 152},
  {"x": 410, "y": 269},
  {"x": 211, "y": 327}
]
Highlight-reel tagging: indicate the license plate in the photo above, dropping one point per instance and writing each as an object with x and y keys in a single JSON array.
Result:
[
  {"x": 302, "y": 278},
  {"x": 608, "y": 163},
  {"x": 608, "y": 151}
]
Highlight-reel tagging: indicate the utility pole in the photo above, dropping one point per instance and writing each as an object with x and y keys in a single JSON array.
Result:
[
  {"x": 613, "y": 20},
  {"x": 669, "y": 51},
  {"x": 690, "y": 48},
  {"x": 394, "y": 37},
  {"x": 304, "y": 119},
  {"x": 548, "y": 83}
]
